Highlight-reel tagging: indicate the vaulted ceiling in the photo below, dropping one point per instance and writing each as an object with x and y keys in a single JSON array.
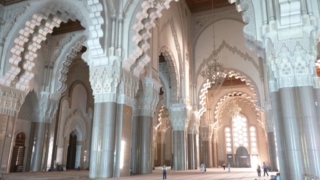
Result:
[
  {"x": 203, "y": 5},
  {"x": 9, "y": 2}
]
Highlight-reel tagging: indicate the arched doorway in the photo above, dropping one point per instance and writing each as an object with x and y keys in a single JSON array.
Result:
[
  {"x": 18, "y": 153},
  {"x": 242, "y": 157},
  {"x": 72, "y": 151}
]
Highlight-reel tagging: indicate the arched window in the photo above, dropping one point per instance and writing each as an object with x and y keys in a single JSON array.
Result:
[
  {"x": 253, "y": 139},
  {"x": 227, "y": 131},
  {"x": 240, "y": 131}
]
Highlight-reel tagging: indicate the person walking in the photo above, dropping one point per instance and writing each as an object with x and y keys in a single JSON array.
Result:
[
  {"x": 224, "y": 166},
  {"x": 265, "y": 169},
  {"x": 164, "y": 172},
  {"x": 259, "y": 170},
  {"x": 228, "y": 167}
]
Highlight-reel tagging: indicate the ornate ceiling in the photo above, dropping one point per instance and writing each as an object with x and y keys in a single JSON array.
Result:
[
  {"x": 9, "y": 2},
  {"x": 203, "y": 5}
]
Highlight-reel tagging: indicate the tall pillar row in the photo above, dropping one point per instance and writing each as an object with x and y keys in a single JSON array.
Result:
[
  {"x": 271, "y": 138},
  {"x": 142, "y": 126},
  {"x": 206, "y": 145}
]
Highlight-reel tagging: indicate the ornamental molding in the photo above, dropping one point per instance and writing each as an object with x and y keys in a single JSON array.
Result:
[
  {"x": 76, "y": 121},
  {"x": 65, "y": 65},
  {"x": 104, "y": 82},
  {"x": 292, "y": 64},
  {"x": 33, "y": 33},
  {"x": 234, "y": 50},
  {"x": 147, "y": 98},
  {"x": 10, "y": 100},
  {"x": 9, "y": 16},
  {"x": 145, "y": 21},
  {"x": 173, "y": 73},
  {"x": 127, "y": 89},
  {"x": 180, "y": 115}
]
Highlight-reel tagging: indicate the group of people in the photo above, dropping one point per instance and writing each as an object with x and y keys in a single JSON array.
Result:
[
  {"x": 203, "y": 169},
  {"x": 265, "y": 169}
]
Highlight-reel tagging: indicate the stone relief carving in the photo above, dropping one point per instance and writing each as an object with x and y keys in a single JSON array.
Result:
[
  {"x": 104, "y": 82},
  {"x": 291, "y": 64},
  {"x": 47, "y": 107}
]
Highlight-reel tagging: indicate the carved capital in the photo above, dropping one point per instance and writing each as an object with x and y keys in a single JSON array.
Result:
[
  {"x": 180, "y": 115},
  {"x": 47, "y": 107},
  {"x": 291, "y": 63},
  {"x": 128, "y": 87},
  {"x": 147, "y": 98},
  {"x": 104, "y": 81}
]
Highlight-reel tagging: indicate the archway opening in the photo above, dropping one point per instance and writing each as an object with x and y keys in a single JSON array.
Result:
[
  {"x": 242, "y": 157},
  {"x": 17, "y": 155},
  {"x": 72, "y": 151}
]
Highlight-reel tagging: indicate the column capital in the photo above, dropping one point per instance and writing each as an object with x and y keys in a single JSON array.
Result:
[
  {"x": 180, "y": 115},
  {"x": 48, "y": 106},
  {"x": 104, "y": 81},
  {"x": 291, "y": 63},
  {"x": 147, "y": 98},
  {"x": 128, "y": 87}
]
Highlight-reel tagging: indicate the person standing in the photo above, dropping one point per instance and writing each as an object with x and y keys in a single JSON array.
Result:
[
  {"x": 164, "y": 172},
  {"x": 228, "y": 167},
  {"x": 265, "y": 169},
  {"x": 259, "y": 170},
  {"x": 203, "y": 167},
  {"x": 224, "y": 166}
]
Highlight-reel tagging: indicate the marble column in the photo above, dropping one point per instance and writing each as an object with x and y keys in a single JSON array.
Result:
[
  {"x": 145, "y": 103},
  {"x": 123, "y": 140},
  {"x": 179, "y": 150},
  {"x": 180, "y": 116},
  {"x": 310, "y": 129},
  {"x": 103, "y": 140},
  {"x": 206, "y": 143},
  {"x": 191, "y": 151},
  {"x": 291, "y": 123},
  {"x": 38, "y": 147},
  {"x": 215, "y": 148},
  {"x": 317, "y": 103}
]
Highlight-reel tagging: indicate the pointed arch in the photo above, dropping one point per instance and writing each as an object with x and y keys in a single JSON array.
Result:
[
  {"x": 34, "y": 31},
  {"x": 76, "y": 122},
  {"x": 173, "y": 73}
]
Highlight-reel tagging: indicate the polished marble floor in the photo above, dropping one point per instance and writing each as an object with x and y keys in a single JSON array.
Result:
[{"x": 211, "y": 174}]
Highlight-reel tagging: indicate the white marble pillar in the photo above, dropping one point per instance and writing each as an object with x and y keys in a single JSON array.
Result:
[
  {"x": 180, "y": 116},
  {"x": 38, "y": 147}
]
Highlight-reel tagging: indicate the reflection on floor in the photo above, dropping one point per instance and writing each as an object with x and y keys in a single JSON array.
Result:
[{"x": 212, "y": 174}]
